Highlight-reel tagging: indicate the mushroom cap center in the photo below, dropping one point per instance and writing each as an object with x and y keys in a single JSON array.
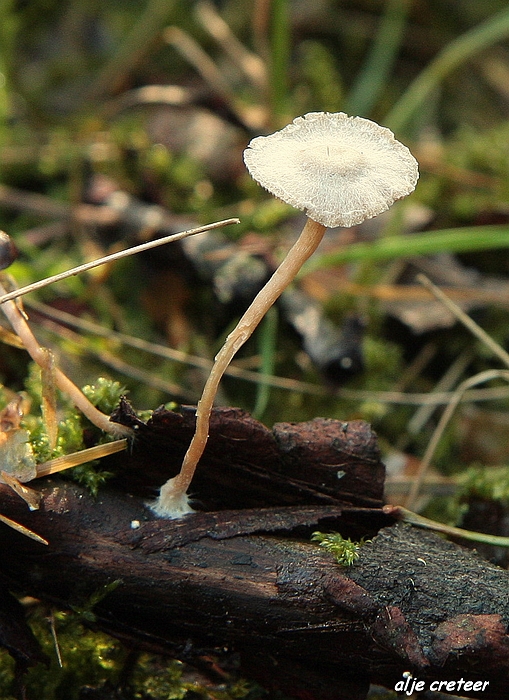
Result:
[
  {"x": 340, "y": 170},
  {"x": 333, "y": 159}
]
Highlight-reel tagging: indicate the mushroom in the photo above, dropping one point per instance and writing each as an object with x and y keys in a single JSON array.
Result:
[{"x": 340, "y": 170}]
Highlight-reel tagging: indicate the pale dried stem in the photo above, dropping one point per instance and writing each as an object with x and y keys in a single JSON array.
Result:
[
  {"x": 420, "y": 475},
  {"x": 41, "y": 357},
  {"x": 463, "y": 318},
  {"x": 304, "y": 247},
  {"x": 408, "y": 516},
  {"x": 74, "y": 459},
  {"x": 113, "y": 257},
  {"x": 488, "y": 375}
]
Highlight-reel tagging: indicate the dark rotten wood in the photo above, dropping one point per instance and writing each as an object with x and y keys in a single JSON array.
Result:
[
  {"x": 249, "y": 581},
  {"x": 247, "y": 465},
  {"x": 229, "y": 583}
]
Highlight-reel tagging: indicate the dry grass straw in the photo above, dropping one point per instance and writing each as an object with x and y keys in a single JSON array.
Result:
[{"x": 467, "y": 384}]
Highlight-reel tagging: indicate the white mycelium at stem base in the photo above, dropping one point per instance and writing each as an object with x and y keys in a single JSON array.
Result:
[{"x": 340, "y": 170}]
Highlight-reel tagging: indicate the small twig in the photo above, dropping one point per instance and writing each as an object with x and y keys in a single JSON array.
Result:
[
  {"x": 463, "y": 318},
  {"x": 447, "y": 381},
  {"x": 74, "y": 459},
  {"x": 250, "y": 63},
  {"x": 24, "y": 530},
  {"x": 201, "y": 61},
  {"x": 479, "y": 333},
  {"x": 56, "y": 645},
  {"x": 210, "y": 73},
  {"x": 40, "y": 356},
  {"x": 480, "y": 378},
  {"x": 408, "y": 516},
  {"x": 112, "y": 257},
  {"x": 32, "y": 498}
]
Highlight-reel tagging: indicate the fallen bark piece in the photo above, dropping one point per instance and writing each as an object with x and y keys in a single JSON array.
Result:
[
  {"x": 392, "y": 631},
  {"x": 247, "y": 465},
  {"x": 299, "y": 623},
  {"x": 481, "y": 638}
]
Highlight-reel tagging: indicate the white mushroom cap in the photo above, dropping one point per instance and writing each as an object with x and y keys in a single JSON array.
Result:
[{"x": 340, "y": 170}]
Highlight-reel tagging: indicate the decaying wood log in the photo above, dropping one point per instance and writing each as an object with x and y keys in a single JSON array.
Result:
[
  {"x": 249, "y": 581},
  {"x": 246, "y": 465}
]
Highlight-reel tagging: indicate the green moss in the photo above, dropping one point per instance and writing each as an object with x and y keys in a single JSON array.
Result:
[
  {"x": 105, "y": 394},
  {"x": 345, "y": 551},
  {"x": 487, "y": 483},
  {"x": 93, "y": 659},
  {"x": 476, "y": 483},
  {"x": 158, "y": 680},
  {"x": 87, "y": 658}
]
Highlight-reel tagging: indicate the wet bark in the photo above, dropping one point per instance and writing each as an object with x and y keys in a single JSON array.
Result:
[
  {"x": 247, "y": 465},
  {"x": 248, "y": 582}
]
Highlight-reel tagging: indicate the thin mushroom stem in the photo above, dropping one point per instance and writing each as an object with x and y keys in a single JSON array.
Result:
[
  {"x": 41, "y": 357},
  {"x": 173, "y": 500}
]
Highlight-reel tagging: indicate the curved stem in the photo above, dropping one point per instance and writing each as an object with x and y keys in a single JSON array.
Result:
[
  {"x": 485, "y": 376},
  {"x": 40, "y": 356},
  {"x": 409, "y": 516},
  {"x": 304, "y": 247}
]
